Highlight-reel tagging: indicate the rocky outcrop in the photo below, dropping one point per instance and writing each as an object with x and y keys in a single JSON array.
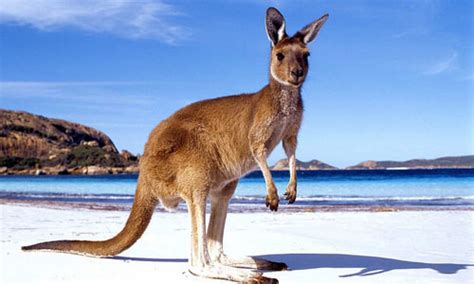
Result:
[
  {"x": 126, "y": 155},
  {"x": 458, "y": 162},
  {"x": 33, "y": 144},
  {"x": 313, "y": 165},
  {"x": 25, "y": 135}
]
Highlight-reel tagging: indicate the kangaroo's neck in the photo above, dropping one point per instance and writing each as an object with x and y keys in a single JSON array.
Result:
[{"x": 288, "y": 98}]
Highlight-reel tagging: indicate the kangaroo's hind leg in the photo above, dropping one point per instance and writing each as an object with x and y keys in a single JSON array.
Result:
[
  {"x": 219, "y": 205},
  {"x": 200, "y": 263}
]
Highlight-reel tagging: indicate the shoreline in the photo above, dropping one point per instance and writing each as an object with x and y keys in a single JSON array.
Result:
[
  {"x": 319, "y": 191},
  {"x": 60, "y": 205},
  {"x": 89, "y": 171}
]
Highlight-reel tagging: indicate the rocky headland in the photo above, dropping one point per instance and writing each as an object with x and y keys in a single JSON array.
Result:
[{"x": 36, "y": 145}]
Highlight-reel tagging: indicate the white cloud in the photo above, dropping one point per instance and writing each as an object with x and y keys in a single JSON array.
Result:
[
  {"x": 52, "y": 84},
  {"x": 126, "y": 18},
  {"x": 97, "y": 95},
  {"x": 79, "y": 92},
  {"x": 444, "y": 65}
]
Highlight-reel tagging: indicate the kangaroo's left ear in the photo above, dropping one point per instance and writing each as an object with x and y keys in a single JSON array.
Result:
[{"x": 309, "y": 32}]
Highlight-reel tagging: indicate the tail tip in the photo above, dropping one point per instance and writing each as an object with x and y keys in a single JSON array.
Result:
[
  {"x": 26, "y": 248},
  {"x": 29, "y": 248}
]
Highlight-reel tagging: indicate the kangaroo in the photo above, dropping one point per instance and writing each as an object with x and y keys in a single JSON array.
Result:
[{"x": 202, "y": 150}]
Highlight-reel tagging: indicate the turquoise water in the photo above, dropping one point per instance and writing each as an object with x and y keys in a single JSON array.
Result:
[{"x": 406, "y": 187}]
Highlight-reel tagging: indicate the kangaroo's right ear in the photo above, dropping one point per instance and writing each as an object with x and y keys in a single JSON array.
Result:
[
  {"x": 309, "y": 32},
  {"x": 275, "y": 26}
]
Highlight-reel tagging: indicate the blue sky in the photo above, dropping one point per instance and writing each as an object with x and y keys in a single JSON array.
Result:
[{"x": 389, "y": 80}]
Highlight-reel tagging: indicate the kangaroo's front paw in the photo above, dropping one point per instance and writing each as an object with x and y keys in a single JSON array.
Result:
[
  {"x": 290, "y": 193},
  {"x": 272, "y": 201}
]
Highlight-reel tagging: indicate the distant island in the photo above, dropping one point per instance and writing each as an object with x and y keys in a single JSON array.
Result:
[
  {"x": 36, "y": 145},
  {"x": 439, "y": 163},
  {"x": 313, "y": 165},
  {"x": 459, "y": 162}
]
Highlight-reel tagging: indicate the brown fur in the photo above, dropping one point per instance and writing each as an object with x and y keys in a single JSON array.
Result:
[{"x": 202, "y": 150}]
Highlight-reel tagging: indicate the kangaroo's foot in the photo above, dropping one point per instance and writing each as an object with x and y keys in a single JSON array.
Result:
[
  {"x": 251, "y": 262},
  {"x": 232, "y": 274}
]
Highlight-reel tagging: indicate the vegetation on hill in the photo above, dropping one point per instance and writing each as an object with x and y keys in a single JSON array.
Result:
[{"x": 29, "y": 141}]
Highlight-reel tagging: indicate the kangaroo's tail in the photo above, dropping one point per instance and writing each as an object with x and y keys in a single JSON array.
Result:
[{"x": 140, "y": 216}]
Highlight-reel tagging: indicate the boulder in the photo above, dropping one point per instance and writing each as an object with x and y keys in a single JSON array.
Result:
[{"x": 95, "y": 170}]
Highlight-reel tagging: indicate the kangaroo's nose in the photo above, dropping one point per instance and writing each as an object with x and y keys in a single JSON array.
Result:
[{"x": 297, "y": 73}]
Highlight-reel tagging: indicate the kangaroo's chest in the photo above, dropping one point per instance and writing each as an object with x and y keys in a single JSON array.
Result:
[
  {"x": 287, "y": 116},
  {"x": 288, "y": 105},
  {"x": 289, "y": 112}
]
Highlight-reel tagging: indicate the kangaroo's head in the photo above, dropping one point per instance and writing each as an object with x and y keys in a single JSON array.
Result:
[{"x": 289, "y": 56}]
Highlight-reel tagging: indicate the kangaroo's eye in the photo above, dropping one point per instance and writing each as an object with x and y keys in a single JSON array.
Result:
[{"x": 280, "y": 56}]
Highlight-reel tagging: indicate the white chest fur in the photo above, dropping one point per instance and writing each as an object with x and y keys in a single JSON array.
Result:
[
  {"x": 289, "y": 103},
  {"x": 288, "y": 112}
]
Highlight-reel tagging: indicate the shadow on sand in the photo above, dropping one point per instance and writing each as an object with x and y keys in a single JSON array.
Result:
[{"x": 369, "y": 265}]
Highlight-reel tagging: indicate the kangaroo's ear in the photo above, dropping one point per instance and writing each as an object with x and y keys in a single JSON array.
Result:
[
  {"x": 309, "y": 32},
  {"x": 275, "y": 26}
]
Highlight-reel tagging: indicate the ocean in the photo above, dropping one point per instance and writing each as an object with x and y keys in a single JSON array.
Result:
[{"x": 418, "y": 188}]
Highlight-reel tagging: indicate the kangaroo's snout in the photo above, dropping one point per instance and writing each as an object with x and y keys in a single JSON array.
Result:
[{"x": 297, "y": 73}]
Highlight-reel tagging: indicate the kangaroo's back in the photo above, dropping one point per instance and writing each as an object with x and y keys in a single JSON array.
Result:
[{"x": 218, "y": 127}]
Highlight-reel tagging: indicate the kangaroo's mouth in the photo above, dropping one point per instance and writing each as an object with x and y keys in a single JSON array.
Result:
[{"x": 296, "y": 83}]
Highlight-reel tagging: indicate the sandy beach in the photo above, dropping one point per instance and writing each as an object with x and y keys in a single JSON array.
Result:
[{"x": 319, "y": 247}]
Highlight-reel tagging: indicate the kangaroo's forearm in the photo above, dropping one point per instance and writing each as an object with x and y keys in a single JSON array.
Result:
[
  {"x": 267, "y": 174},
  {"x": 257, "y": 139},
  {"x": 272, "y": 198},
  {"x": 289, "y": 144},
  {"x": 292, "y": 168}
]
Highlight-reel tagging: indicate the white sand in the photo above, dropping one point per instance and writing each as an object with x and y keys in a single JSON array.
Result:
[{"x": 335, "y": 247}]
